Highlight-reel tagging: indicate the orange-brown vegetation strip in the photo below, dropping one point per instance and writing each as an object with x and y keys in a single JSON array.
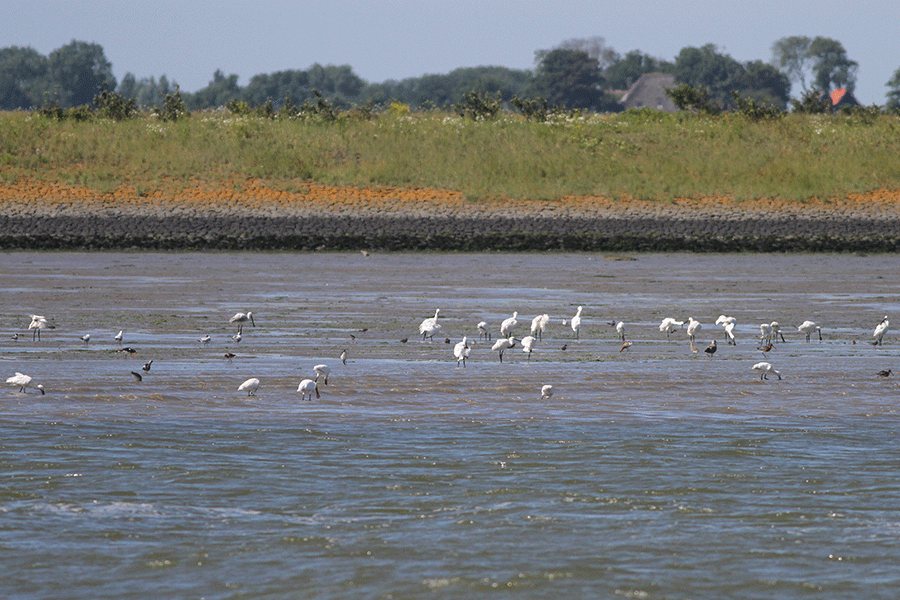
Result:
[{"x": 27, "y": 196}]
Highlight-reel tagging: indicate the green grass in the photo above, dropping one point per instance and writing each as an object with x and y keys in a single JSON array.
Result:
[{"x": 646, "y": 155}]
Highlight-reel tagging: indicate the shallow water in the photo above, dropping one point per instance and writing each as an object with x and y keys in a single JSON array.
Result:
[{"x": 651, "y": 473}]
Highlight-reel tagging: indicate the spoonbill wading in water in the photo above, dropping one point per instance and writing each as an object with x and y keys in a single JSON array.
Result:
[
  {"x": 765, "y": 368},
  {"x": 23, "y": 381},
  {"x": 307, "y": 388},
  {"x": 322, "y": 371},
  {"x": 808, "y": 327},
  {"x": 880, "y": 330},
  {"x": 502, "y": 344},
  {"x": 250, "y": 386},
  {"x": 575, "y": 323},
  {"x": 461, "y": 351},
  {"x": 430, "y": 326},
  {"x": 38, "y": 322},
  {"x": 241, "y": 318}
]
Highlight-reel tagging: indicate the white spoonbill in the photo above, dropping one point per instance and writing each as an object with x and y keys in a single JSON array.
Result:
[
  {"x": 880, "y": 330},
  {"x": 23, "y": 381},
  {"x": 307, "y": 388},
  {"x": 120, "y": 336},
  {"x": 776, "y": 331},
  {"x": 528, "y": 344},
  {"x": 322, "y": 371},
  {"x": 547, "y": 392},
  {"x": 205, "y": 339},
  {"x": 765, "y": 368},
  {"x": 539, "y": 324},
  {"x": 729, "y": 332},
  {"x": 670, "y": 326},
  {"x": 343, "y": 357},
  {"x": 38, "y": 322},
  {"x": 765, "y": 332},
  {"x": 461, "y": 351},
  {"x": 241, "y": 318},
  {"x": 430, "y": 326},
  {"x": 508, "y": 325},
  {"x": 483, "y": 331},
  {"x": 502, "y": 344},
  {"x": 694, "y": 328},
  {"x": 723, "y": 320},
  {"x": 620, "y": 329},
  {"x": 575, "y": 323},
  {"x": 250, "y": 386},
  {"x": 808, "y": 327}
]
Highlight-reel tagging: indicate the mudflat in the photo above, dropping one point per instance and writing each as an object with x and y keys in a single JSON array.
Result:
[{"x": 254, "y": 215}]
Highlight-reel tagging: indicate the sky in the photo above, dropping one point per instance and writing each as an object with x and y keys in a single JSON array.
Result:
[{"x": 395, "y": 39}]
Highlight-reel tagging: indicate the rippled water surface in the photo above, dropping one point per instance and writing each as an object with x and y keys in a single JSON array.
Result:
[{"x": 653, "y": 472}]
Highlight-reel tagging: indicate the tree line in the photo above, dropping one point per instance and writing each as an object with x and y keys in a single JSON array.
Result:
[{"x": 583, "y": 74}]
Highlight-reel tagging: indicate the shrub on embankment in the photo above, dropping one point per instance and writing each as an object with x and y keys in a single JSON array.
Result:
[{"x": 639, "y": 154}]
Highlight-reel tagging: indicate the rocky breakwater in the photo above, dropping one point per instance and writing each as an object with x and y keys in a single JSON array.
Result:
[{"x": 250, "y": 215}]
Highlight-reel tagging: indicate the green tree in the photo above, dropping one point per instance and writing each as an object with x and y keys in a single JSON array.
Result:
[
  {"x": 79, "y": 69},
  {"x": 831, "y": 66},
  {"x": 704, "y": 67},
  {"x": 217, "y": 93},
  {"x": 23, "y": 77},
  {"x": 765, "y": 84},
  {"x": 625, "y": 70},
  {"x": 569, "y": 79},
  {"x": 893, "y": 95},
  {"x": 791, "y": 56}
]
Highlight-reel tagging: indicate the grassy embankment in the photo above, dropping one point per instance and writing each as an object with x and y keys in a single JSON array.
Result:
[{"x": 639, "y": 156}]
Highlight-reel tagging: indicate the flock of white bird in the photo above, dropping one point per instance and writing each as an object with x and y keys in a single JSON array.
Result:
[{"x": 769, "y": 334}]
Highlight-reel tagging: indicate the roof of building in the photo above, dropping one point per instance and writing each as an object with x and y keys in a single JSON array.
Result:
[{"x": 650, "y": 91}]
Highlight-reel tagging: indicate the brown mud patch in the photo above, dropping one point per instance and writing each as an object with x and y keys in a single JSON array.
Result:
[{"x": 255, "y": 214}]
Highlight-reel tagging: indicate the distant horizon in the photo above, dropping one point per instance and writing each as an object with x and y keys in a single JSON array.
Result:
[{"x": 404, "y": 39}]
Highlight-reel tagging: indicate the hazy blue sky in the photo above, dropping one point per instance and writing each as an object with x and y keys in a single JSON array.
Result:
[{"x": 394, "y": 39}]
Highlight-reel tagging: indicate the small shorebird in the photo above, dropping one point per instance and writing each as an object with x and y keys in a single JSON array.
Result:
[
  {"x": 237, "y": 338},
  {"x": 205, "y": 339},
  {"x": 885, "y": 373},
  {"x": 137, "y": 376},
  {"x": 85, "y": 338},
  {"x": 766, "y": 348},
  {"x": 626, "y": 346},
  {"x": 127, "y": 350},
  {"x": 146, "y": 366},
  {"x": 343, "y": 357},
  {"x": 711, "y": 349},
  {"x": 250, "y": 386},
  {"x": 119, "y": 336},
  {"x": 229, "y": 356}
]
